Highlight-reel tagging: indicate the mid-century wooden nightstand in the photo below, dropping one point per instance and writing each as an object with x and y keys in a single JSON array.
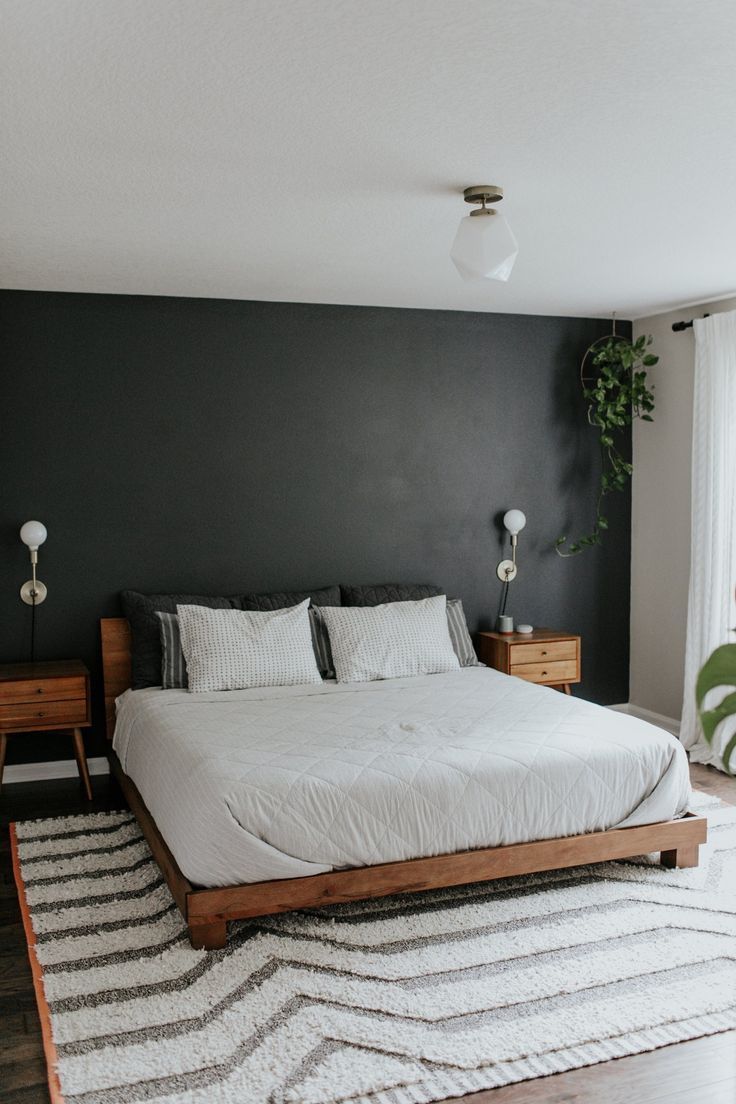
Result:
[
  {"x": 43, "y": 697},
  {"x": 544, "y": 656}
]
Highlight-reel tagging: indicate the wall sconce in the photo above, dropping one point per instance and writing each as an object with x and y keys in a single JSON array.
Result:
[
  {"x": 33, "y": 534},
  {"x": 514, "y": 521}
]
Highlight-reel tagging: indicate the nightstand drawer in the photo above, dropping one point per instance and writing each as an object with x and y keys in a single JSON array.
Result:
[
  {"x": 557, "y": 672},
  {"x": 542, "y": 652},
  {"x": 42, "y": 713},
  {"x": 39, "y": 690}
]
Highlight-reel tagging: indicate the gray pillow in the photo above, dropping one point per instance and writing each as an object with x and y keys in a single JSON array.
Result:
[
  {"x": 378, "y": 594},
  {"x": 174, "y": 667},
  {"x": 141, "y": 610},
  {"x": 392, "y": 640}
]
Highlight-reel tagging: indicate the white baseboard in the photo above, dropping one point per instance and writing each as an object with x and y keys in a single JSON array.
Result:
[
  {"x": 59, "y": 768},
  {"x": 667, "y": 723}
]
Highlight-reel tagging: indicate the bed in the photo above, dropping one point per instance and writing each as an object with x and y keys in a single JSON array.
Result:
[{"x": 262, "y": 801}]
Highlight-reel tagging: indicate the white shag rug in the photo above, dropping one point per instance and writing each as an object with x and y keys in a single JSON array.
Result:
[{"x": 403, "y": 1000}]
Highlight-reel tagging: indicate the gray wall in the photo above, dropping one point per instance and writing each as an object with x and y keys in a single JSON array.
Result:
[{"x": 209, "y": 445}]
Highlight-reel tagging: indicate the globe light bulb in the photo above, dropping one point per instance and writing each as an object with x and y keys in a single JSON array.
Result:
[
  {"x": 33, "y": 533},
  {"x": 514, "y": 521}
]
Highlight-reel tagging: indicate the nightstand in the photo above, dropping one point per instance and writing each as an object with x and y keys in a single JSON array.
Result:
[
  {"x": 543, "y": 656},
  {"x": 43, "y": 697}
]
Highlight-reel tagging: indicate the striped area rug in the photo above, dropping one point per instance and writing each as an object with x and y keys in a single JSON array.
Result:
[{"x": 399, "y": 1001}]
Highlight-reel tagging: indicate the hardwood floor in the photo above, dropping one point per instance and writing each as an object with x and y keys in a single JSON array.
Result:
[{"x": 702, "y": 1071}]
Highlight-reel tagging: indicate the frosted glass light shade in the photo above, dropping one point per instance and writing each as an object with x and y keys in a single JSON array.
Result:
[
  {"x": 33, "y": 533},
  {"x": 514, "y": 521},
  {"x": 484, "y": 247}
]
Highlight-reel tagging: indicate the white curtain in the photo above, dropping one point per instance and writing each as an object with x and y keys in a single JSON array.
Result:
[{"x": 711, "y": 615}]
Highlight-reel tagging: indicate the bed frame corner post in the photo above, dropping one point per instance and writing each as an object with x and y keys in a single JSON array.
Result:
[
  {"x": 210, "y": 936},
  {"x": 687, "y": 855}
]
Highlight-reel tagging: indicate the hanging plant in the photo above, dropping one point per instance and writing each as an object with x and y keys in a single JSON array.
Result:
[{"x": 613, "y": 374}]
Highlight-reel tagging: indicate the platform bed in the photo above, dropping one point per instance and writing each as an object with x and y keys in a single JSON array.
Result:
[{"x": 207, "y": 911}]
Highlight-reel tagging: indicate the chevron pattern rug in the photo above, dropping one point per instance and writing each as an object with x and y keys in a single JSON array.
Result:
[{"x": 399, "y": 1001}]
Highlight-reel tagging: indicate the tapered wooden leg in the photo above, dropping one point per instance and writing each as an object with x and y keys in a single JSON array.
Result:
[
  {"x": 567, "y": 688},
  {"x": 208, "y": 937},
  {"x": 81, "y": 757},
  {"x": 3, "y": 745},
  {"x": 682, "y": 856}
]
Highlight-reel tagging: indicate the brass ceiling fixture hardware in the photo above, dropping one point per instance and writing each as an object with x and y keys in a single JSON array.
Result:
[{"x": 483, "y": 194}]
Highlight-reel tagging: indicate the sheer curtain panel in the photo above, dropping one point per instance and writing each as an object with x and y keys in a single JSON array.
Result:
[{"x": 711, "y": 608}]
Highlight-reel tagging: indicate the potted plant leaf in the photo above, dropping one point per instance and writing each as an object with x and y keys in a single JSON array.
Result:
[{"x": 718, "y": 670}]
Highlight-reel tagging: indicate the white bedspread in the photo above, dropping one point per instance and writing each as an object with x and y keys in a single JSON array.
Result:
[{"x": 253, "y": 785}]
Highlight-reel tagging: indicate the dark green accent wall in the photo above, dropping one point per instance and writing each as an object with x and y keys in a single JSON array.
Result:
[{"x": 221, "y": 446}]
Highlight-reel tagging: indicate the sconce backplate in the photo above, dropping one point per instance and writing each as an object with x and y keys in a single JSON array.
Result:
[
  {"x": 27, "y": 592},
  {"x": 506, "y": 571}
]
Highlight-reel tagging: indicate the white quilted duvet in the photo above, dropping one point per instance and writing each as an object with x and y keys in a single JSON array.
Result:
[{"x": 251, "y": 785}]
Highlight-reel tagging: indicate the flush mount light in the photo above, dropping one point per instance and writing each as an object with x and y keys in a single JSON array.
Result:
[{"x": 484, "y": 247}]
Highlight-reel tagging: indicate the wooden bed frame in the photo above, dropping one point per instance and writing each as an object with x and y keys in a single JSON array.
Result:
[{"x": 207, "y": 911}]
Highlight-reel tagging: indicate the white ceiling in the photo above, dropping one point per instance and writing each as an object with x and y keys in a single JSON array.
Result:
[{"x": 315, "y": 150}]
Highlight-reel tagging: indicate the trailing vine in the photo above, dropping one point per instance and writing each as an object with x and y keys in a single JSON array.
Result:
[{"x": 616, "y": 392}]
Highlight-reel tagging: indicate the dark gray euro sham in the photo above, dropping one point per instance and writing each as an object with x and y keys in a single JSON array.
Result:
[
  {"x": 140, "y": 610},
  {"x": 378, "y": 594},
  {"x": 282, "y": 599}
]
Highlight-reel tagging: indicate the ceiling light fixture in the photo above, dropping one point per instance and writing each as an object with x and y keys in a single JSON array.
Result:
[{"x": 484, "y": 247}]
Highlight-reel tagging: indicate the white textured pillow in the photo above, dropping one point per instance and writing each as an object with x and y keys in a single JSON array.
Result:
[
  {"x": 396, "y": 640},
  {"x": 229, "y": 649}
]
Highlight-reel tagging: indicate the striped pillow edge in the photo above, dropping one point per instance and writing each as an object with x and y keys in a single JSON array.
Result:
[
  {"x": 459, "y": 635},
  {"x": 173, "y": 664}
]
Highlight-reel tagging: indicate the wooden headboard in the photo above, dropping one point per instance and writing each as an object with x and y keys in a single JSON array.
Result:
[{"x": 116, "y": 669}]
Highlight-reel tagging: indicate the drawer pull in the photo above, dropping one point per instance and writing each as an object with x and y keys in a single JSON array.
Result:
[
  {"x": 40, "y": 713},
  {"x": 39, "y": 690},
  {"x": 544, "y": 652},
  {"x": 544, "y": 672}
]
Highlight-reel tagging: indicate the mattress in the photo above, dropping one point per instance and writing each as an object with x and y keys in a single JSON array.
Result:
[{"x": 252, "y": 785}]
